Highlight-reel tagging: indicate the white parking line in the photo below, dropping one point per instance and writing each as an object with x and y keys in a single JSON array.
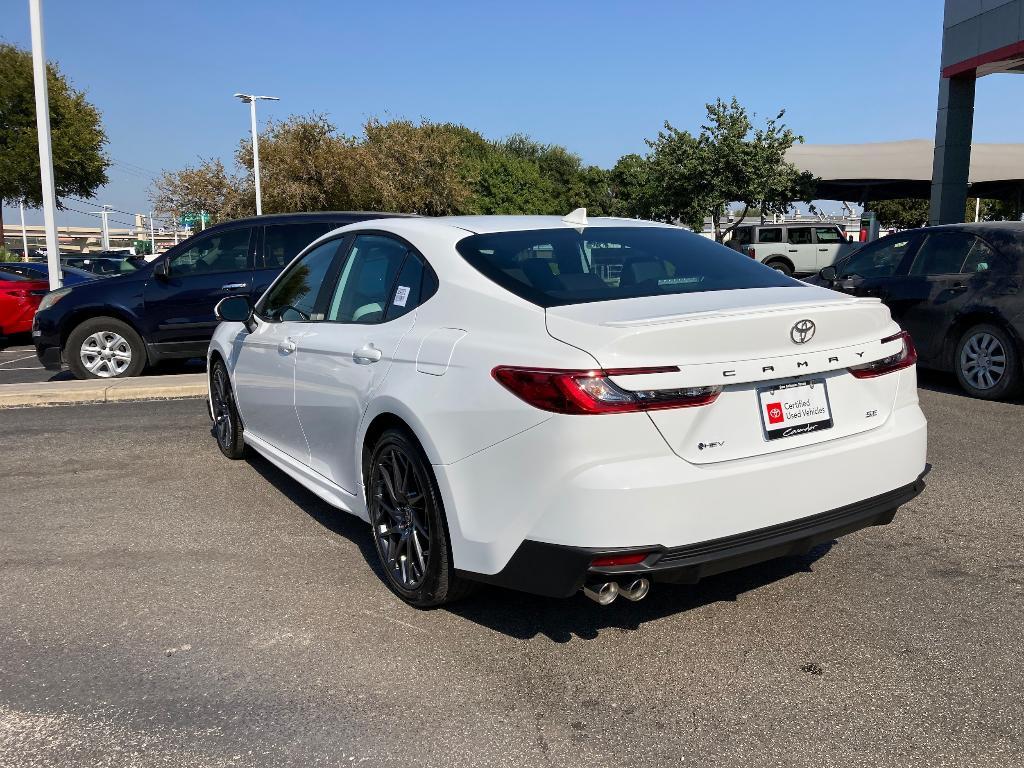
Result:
[
  {"x": 40, "y": 368},
  {"x": 17, "y": 360}
]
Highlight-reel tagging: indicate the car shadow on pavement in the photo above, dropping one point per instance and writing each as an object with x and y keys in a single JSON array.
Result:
[{"x": 523, "y": 616}]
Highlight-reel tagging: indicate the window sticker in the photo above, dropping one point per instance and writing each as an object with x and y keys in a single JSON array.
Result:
[{"x": 401, "y": 295}]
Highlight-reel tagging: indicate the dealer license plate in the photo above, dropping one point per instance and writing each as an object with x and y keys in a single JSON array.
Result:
[{"x": 788, "y": 410}]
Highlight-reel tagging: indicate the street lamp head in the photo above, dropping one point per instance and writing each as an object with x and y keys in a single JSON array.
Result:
[
  {"x": 267, "y": 98},
  {"x": 243, "y": 97}
]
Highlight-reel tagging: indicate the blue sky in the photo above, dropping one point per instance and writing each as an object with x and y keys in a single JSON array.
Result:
[{"x": 595, "y": 76}]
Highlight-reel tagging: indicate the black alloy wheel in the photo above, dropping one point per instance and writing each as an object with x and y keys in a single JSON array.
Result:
[
  {"x": 407, "y": 518},
  {"x": 227, "y": 427}
]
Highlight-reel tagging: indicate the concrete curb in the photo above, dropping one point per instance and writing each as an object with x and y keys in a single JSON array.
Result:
[{"x": 188, "y": 385}]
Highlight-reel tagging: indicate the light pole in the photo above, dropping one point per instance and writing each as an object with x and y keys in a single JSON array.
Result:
[
  {"x": 24, "y": 232},
  {"x": 35, "y": 8},
  {"x": 251, "y": 99}
]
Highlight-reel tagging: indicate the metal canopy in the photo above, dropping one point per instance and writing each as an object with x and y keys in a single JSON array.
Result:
[{"x": 887, "y": 170}]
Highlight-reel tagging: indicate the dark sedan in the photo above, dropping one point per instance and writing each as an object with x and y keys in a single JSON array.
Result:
[{"x": 957, "y": 289}]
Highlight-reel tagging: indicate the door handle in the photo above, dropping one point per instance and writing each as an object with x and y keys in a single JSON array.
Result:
[
  {"x": 792, "y": 250},
  {"x": 957, "y": 288},
  {"x": 287, "y": 346},
  {"x": 823, "y": 250},
  {"x": 366, "y": 355},
  {"x": 233, "y": 286}
]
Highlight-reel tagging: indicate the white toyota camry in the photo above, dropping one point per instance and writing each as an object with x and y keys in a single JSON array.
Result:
[{"x": 564, "y": 404}]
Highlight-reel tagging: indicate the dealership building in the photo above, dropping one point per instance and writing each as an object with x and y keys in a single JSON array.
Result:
[{"x": 979, "y": 37}]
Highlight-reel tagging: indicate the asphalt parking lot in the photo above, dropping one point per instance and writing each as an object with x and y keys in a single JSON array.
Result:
[
  {"x": 19, "y": 364},
  {"x": 162, "y": 606}
]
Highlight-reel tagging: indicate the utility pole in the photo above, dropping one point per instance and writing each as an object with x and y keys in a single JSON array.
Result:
[
  {"x": 105, "y": 231},
  {"x": 152, "y": 236},
  {"x": 24, "y": 232},
  {"x": 251, "y": 99},
  {"x": 35, "y": 9}
]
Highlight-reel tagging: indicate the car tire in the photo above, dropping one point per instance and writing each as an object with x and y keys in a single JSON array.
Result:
[
  {"x": 104, "y": 348},
  {"x": 780, "y": 266},
  {"x": 408, "y": 524},
  {"x": 227, "y": 426},
  {"x": 987, "y": 362}
]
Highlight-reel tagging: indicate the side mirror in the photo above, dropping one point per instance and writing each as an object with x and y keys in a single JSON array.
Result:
[
  {"x": 162, "y": 269},
  {"x": 829, "y": 274},
  {"x": 236, "y": 309}
]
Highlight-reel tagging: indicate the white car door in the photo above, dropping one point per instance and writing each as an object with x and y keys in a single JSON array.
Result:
[
  {"x": 343, "y": 359},
  {"x": 264, "y": 370}
]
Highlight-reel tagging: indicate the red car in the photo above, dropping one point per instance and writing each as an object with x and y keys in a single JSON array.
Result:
[{"x": 19, "y": 297}]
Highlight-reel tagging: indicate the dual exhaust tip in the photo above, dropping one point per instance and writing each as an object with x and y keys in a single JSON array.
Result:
[{"x": 606, "y": 592}]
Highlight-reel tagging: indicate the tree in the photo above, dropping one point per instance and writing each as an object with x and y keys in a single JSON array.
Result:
[
  {"x": 728, "y": 161},
  {"x": 77, "y": 135},
  {"x": 414, "y": 168},
  {"x": 305, "y": 165},
  {"x": 630, "y": 184},
  {"x": 205, "y": 187},
  {"x": 511, "y": 184}
]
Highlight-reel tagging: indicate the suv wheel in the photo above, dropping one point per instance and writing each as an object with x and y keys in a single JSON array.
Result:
[
  {"x": 780, "y": 266},
  {"x": 105, "y": 348},
  {"x": 987, "y": 362},
  {"x": 407, "y": 518}
]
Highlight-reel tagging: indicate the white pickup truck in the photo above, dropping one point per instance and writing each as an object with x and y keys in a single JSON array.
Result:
[{"x": 796, "y": 248}]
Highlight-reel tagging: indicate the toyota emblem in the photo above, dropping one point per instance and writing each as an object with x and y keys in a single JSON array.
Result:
[{"x": 802, "y": 332}]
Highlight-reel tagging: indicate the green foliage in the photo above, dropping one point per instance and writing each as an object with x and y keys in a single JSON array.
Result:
[
  {"x": 6, "y": 255},
  {"x": 901, "y": 213},
  {"x": 446, "y": 168},
  {"x": 143, "y": 247},
  {"x": 728, "y": 161},
  {"x": 78, "y": 138}
]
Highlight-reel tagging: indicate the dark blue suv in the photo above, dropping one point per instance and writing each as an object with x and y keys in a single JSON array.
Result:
[{"x": 164, "y": 310}]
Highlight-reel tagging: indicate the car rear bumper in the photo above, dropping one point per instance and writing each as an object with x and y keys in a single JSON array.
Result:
[
  {"x": 557, "y": 570},
  {"x": 612, "y": 483}
]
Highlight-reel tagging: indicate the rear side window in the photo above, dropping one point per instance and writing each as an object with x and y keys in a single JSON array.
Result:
[
  {"x": 944, "y": 253},
  {"x": 770, "y": 235},
  {"x": 799, "y": 235},
  {"x": 283, "y": 242},
  {"x": 552, "y": 267},
  {"x": 828, "y": 235},
  {"x": 366, "y": 286}
]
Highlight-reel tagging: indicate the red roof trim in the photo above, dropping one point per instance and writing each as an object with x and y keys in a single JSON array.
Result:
[{"x": 1006, "y": 52}]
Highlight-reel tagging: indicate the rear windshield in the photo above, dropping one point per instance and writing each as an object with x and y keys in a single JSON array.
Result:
[
  {"x": 552, "y": 267},
  {"x": 14, "y": 275}
]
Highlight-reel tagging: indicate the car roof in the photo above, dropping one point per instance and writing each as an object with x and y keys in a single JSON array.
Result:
[
  {"x": 489, "y": 224},
  {"x": 312, "y": 217}
]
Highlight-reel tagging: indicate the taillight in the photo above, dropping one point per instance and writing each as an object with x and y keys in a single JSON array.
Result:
[
  {"x": 750, "y": 252},
  {"x": 905, "y": 358},
  {"x": 591, "y": 392}
]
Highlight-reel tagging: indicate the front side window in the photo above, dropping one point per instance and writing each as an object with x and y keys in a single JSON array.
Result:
[
  {"x": 799, "y": 235},
  {"x": 283, "y": 242},
  {"x": 879, "y": 259},
  {"x": 219, "y": 252},
  {"x": 367, "y": 281},
  {"x": 552, "y": 267},
  {"x": 294, "y": 296},
  {"x": 828, "y": 235}
]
